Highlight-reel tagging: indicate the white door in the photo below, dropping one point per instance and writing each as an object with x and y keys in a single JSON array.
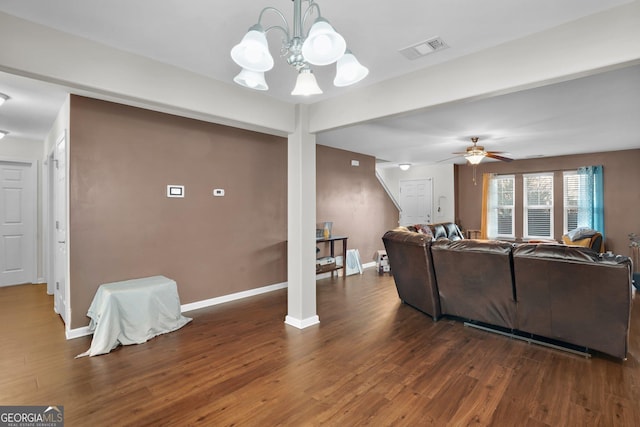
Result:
[
  {"x": 60, "y": 228},
  {"x": 416, "y": 202},
  {"x": 17, "y": 222}
]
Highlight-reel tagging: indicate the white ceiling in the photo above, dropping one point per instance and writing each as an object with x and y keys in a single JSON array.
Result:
[
  {"x": 595, "y": 113},
  {"x": 591, "y": 114}
]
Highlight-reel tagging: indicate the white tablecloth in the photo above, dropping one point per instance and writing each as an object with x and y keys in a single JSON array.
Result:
[{"x": 132, "y": 312}]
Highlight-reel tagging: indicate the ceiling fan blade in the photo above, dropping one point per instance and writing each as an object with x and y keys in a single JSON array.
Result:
[
  {"x": 495, "y": 152},
  {"x": 449, "y": 158},
  {"x": 495, "y": 156}
]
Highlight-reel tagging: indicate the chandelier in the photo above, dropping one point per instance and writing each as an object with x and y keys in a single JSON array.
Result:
[{"x": 321, "y": 45}]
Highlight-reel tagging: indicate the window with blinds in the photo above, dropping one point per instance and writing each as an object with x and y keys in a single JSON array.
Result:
[
  {"x": 571, "y": 195},
  {"x": 538, "y": 206},
  {"x": 500, "y": 221}
]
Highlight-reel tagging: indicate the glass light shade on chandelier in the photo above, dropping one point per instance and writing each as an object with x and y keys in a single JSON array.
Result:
[
  {"x": 252, "y": 53},
  {"x": 349, "y": 70},
  {"x": 306, "y": 84},
  {"x": 322, "y": 45},
  {"x": 251, "y": 79}
]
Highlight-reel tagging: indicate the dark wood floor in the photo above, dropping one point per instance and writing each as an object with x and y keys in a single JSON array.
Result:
[{"x": 371, "y": 361}]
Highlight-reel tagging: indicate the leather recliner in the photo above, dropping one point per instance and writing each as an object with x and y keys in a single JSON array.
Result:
[
  {"x": 475, "y": 280},
  {"x": 410, "y": 256},
  {"x": 574, "y": 295}
]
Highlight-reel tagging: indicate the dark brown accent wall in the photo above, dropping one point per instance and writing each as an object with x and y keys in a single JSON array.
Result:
[
  {"x": 123, "y": 226},
  {"x": 621, "y": 191},
  {"x": 352, "y": 198}
]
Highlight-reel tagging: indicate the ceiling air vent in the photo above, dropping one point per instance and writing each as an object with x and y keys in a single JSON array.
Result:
[{"x": 423, "y": 48}]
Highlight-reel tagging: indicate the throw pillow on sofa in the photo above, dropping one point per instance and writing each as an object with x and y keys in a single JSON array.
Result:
[
  {"x": 423, "y": 229},
  {"x": 581, "y": 233}
]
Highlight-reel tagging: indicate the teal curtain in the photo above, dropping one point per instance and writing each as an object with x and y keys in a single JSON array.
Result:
[{"x": 591, "y": 199}]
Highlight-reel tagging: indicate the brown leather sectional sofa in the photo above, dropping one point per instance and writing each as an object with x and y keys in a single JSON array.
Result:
[{"x": 562, "y": 293}]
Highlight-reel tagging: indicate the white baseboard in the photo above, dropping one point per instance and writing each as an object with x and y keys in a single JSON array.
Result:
[
  {"x": 78, "y": 332},
  {"x": 231, "y": 297},
  {"x": 302, "y": 323}
]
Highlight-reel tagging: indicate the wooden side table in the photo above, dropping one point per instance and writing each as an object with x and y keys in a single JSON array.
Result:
[
  {"x": 473, "y": 234},
  {"x": 331, "y": 240}
]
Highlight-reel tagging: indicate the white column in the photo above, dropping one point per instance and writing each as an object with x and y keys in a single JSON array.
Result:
[{"x": 301, "y": 250}]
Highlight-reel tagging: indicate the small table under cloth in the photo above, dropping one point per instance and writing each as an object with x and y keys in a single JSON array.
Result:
[{"x": 132, "y": 312}]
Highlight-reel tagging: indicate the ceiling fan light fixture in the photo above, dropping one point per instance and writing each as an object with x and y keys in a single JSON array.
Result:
[{"x": 474, "y": 158}]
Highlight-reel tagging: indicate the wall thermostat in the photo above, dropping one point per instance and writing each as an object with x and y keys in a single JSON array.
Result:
[
  {"x": 175, "y": 190},
  {"x": 219, "y": 192}
]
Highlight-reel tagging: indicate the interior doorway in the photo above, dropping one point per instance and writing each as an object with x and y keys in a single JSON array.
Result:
[
  {"x": 18, "y": 205},
  {"x": 57, "y": 237},
  {"x": 416, "y": 201}
]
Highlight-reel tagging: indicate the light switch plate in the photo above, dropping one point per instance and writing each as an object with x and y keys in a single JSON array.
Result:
[
  {"x": 218, "y": 192},
  {"x": 175, "y": 190}
]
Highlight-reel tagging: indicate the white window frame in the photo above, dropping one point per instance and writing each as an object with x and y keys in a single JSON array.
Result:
[
  {"x": 526, "y": 206},
  {"x": 493, "y": 208},
  {"x": 566, "y": 206}
]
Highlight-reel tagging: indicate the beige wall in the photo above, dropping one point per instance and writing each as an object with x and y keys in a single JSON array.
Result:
[
  {"x": 621, "y": 193},
  {"x": 353, "y": 199},
  {"x": 123, "y": 226}
]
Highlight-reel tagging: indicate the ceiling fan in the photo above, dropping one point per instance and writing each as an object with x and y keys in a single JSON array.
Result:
[{"x": 475, "y": 153}]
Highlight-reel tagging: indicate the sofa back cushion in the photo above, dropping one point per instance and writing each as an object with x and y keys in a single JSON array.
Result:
[
  {"x": 448, "y": 230},
  {"x": 411, "y": 264},
  {"x": 572, "y": 294},
  {"x": 475, "y": 280}
]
